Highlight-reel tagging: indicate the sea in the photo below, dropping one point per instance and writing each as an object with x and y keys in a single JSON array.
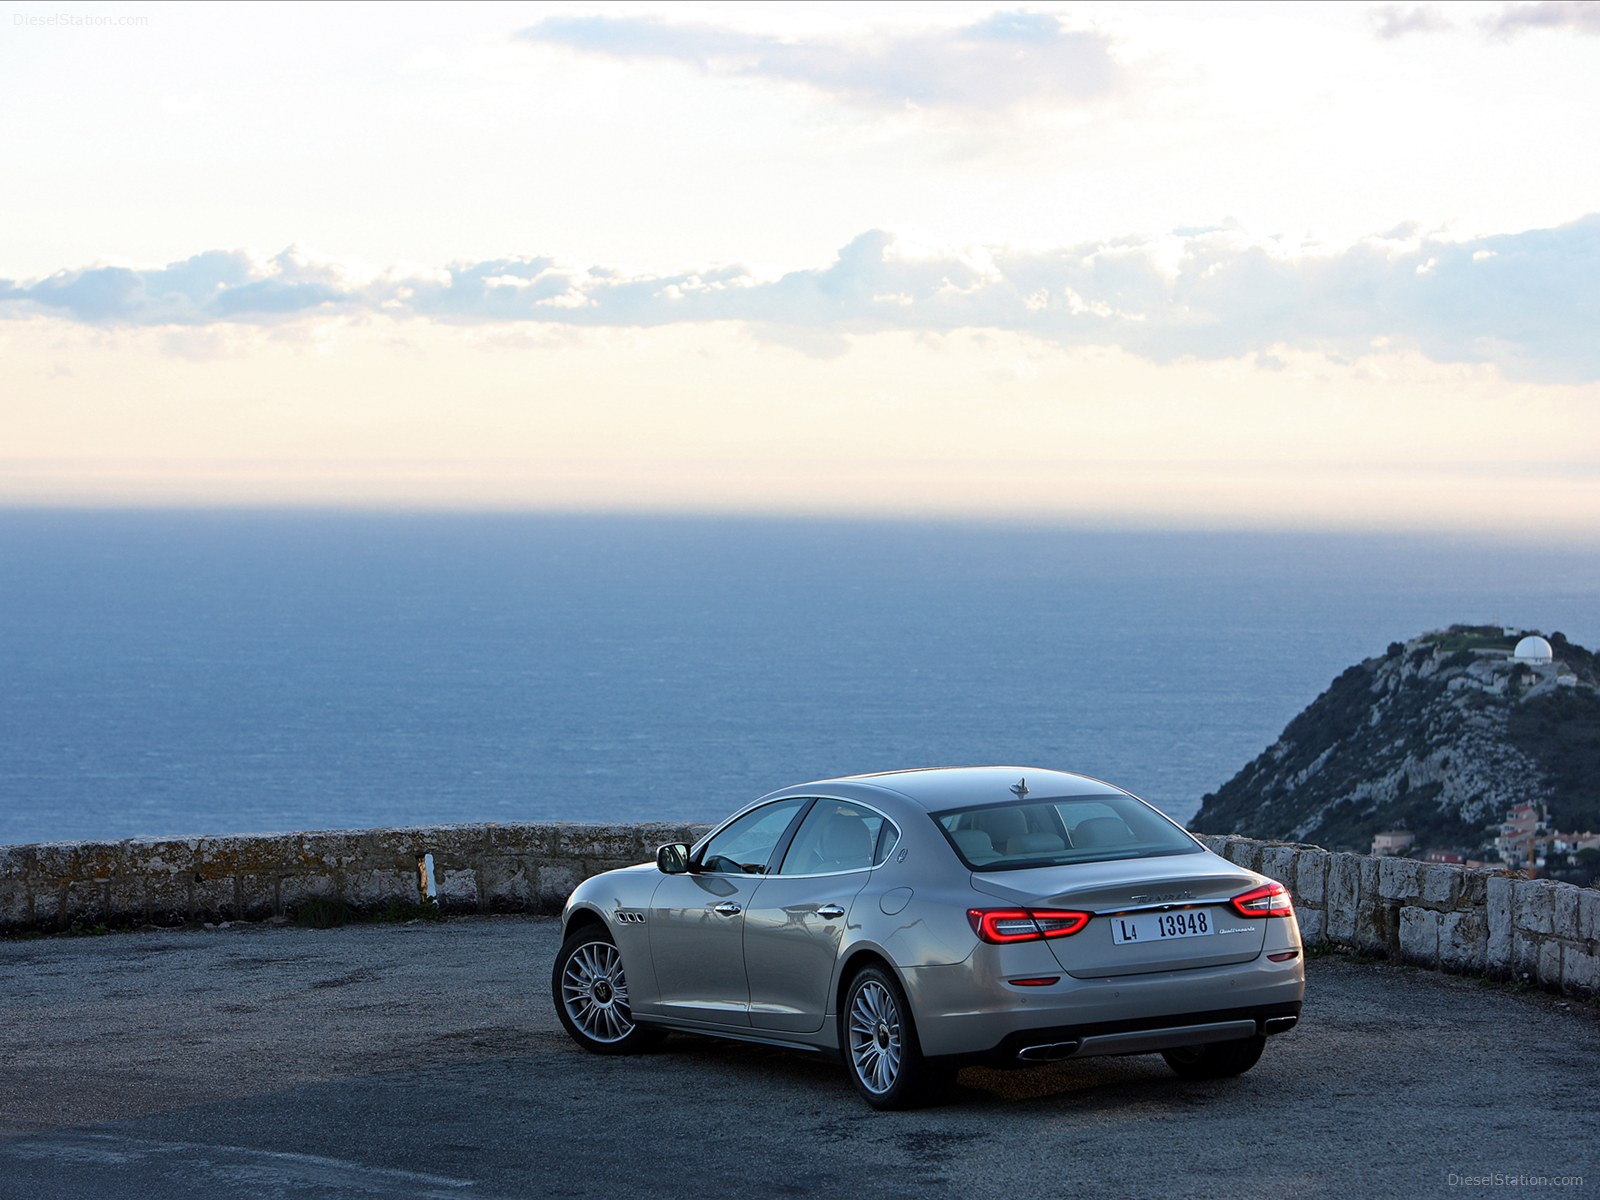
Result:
[{"x": 183, "y": 673}]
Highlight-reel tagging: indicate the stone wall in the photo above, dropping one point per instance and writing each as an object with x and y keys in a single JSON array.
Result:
[
  {"x": 479, "y": 868},
  {"x": 1440, "y": 917},
  {"x": 1436, "y": 916}
]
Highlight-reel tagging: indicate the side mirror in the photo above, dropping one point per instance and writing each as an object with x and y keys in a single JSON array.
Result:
[{"x": 673, "y": 858}]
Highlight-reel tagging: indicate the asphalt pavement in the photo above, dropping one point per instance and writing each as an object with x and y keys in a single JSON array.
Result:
[{"x": 425, "y": 1060}]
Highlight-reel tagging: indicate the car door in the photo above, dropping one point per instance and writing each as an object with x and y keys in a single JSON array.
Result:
[
  {"x": 697, "y": 920},
  {"x": 797, "y": 919}
]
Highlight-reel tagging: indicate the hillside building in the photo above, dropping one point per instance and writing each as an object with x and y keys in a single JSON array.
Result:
[
  {"x": 1523, "y": 837},
  {"x": 1392, "y": 842}
]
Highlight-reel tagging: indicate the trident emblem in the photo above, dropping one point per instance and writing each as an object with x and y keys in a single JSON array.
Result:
[{"x": 1020, "y": 788}]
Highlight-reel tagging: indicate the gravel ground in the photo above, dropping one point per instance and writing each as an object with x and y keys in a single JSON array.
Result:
[{"x": 425, "y": 1059}]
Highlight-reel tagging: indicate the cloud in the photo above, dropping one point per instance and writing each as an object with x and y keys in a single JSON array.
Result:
[
  {"x": 1577, "y": 16},
  {"x": 1392, "y": 21},
  {"x": 1527, "y": 302},
  {"x": 212, "y": 286},
  {"x": 1397, "y": 20},
  {"x": 1006, "y": 59}
]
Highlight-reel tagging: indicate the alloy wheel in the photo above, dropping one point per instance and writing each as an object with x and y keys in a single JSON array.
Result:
[
  {"x": 875, "y": 1038},
  {"x": 595, "y": 993}
]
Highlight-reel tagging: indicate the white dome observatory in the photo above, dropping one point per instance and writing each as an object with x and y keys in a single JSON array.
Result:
[{"x": 1533, "y": 649}]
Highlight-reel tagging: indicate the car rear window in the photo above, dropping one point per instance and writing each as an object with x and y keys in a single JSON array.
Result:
[{"x": 1059, "y": 830}]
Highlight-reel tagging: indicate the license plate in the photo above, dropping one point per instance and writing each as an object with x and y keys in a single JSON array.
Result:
[{"x": 1160, "y": 927}]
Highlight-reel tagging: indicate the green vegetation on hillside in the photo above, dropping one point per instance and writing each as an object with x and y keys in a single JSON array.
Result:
[{"x": 1470, "y": 637}]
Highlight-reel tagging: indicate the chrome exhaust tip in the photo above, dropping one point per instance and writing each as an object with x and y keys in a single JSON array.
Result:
[
  {"x": 1279, "y": 1024},
  {"x": 1051, "y": 1052}
]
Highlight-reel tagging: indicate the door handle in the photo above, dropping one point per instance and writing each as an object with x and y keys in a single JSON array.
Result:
[
  {"x": 728, "y": 909},
  {"x": 830, "y": 911}
]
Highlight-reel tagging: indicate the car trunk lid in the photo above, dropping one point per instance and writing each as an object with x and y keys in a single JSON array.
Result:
[{"x": 1167, "y": 914}]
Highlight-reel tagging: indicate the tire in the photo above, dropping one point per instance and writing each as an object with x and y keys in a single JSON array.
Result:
[
  {"x": 1218, "y": 1060},
  {"x": 878, "y": 1039},
  {"x": 591, "y": 996}
]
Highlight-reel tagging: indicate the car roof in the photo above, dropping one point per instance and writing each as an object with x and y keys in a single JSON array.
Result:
[{"x": 936, "y": 788}]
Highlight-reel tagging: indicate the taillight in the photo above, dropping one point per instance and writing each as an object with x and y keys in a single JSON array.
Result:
[
  {"x": 1268, "y": 900},
  {"x": 1002, "y": 925}
]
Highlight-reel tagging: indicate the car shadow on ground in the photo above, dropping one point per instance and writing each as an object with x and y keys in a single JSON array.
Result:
[{"x": 1092, "y": 1084}]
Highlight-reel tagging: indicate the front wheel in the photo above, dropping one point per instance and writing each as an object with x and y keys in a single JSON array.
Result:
[
  {"x": 1218, "y": 1060},
  {"x": 880, "y": 1044},
  {"x": 591, "y": 996}
]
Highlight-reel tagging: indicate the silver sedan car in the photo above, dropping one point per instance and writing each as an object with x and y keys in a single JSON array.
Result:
[{"x": 915, "y": 921}]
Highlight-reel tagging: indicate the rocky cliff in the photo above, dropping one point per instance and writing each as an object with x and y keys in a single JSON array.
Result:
[{"x": 1441, "y": 736}]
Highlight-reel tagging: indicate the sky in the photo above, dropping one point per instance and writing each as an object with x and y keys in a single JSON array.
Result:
[{"x": 1208, "y": 265}]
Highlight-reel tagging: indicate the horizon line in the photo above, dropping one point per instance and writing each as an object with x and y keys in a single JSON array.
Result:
[{"x": 1043, "y": 522}]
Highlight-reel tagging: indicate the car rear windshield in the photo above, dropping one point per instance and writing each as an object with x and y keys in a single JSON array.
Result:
[{"x": 1064, "y": 829}]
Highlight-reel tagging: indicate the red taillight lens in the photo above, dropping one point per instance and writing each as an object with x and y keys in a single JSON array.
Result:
[
  {"x": 1268, "y": 900},
  {"x": 1002, "y": 925}
]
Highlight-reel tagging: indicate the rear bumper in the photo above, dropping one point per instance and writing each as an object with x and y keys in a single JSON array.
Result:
[
  {"x": 964, "y": 1019},
  {"x": 1141, "y": 1037}
]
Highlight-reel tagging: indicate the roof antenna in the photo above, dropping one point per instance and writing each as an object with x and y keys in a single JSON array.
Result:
[{"x": 1020, "y": 788}]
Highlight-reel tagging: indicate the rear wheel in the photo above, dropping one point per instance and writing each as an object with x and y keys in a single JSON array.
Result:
[
  {"x": 590, "y": 992},
  {"x": 1218, "y": 1060},
  {"x": 880, "y": 1045}
]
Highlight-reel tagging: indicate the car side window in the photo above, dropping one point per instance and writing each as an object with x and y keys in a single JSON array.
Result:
[
  {"x": 837, "y": 836},
  {"x": 745, "y": 847}
]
